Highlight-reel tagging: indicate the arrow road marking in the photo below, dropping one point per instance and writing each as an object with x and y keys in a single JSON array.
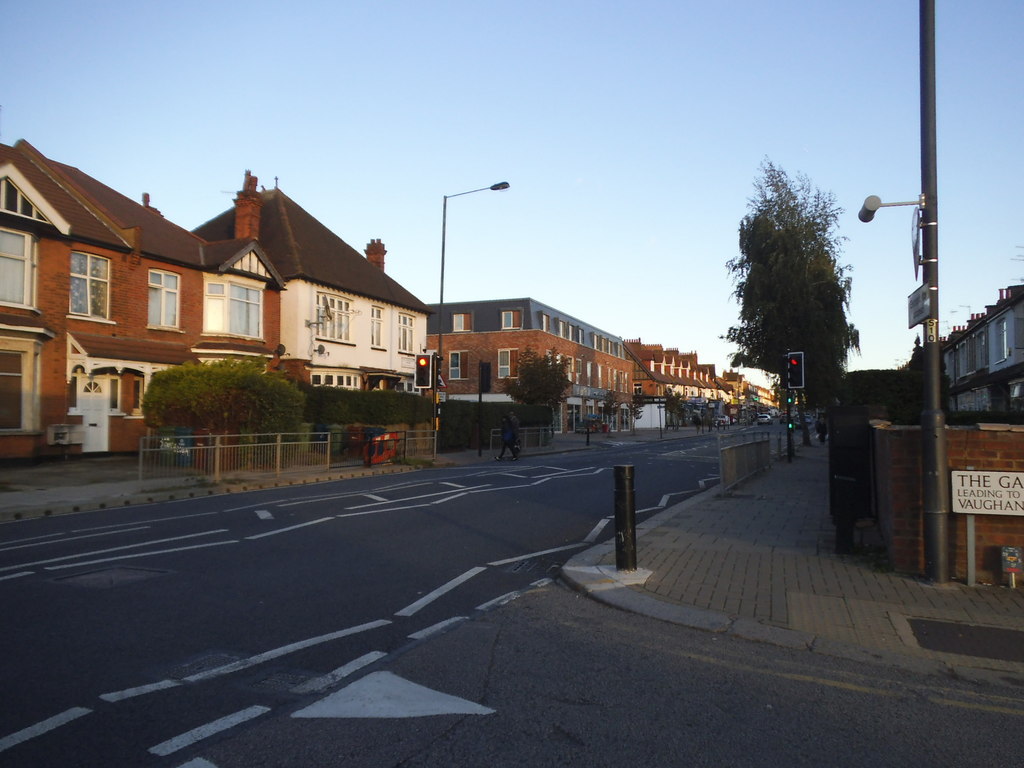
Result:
[{"x": 386, "y": 695}]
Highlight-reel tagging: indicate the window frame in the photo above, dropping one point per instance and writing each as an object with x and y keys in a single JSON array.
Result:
[
  {"x": 163, "y": 292},
  {"x": 511, "y": 364},
  {"x": 406, "y": 333},
  {"x": 223, "y": 300},
  {"x": 27, "y": 263},
  {"x": 457, "y": 369},
  {"x": 339, "y": 326},
  {"x": 376, "y": 326},
  {"x": 90, "y": 281}
]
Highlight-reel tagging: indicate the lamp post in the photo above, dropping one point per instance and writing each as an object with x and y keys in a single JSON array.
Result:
[
  {"x": 440, "y": 309},
  {"x": 934, "y": 462}
]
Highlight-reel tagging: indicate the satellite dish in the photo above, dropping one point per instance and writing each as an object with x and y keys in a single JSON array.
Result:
[
  {"x": 280, "y": 350},
  {"x": 321, "y": 350}
]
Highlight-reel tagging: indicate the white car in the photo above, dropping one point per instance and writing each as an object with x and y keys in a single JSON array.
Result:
[{"x": 764, "y": 418}]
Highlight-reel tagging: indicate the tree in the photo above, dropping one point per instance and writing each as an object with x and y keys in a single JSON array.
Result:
[
  {"x": 226, "y": 396},
  {"x": 792, "y": 291},
  {"x": 542, "y": 379}
]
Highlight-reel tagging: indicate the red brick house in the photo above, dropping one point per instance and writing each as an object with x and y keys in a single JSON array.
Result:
[
  {"x": 496, "y": 331},
  {"x": 97, "y": 293}
]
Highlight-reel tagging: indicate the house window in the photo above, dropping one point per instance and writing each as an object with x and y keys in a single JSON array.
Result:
[
  {"x": 376, "y": 324},
  {"x": 462, "y": 321},
  {"x": 1002, "y": 340},
  {"x": 405, "y": 333},
  {"x": 456, "y": 363},
  {"x": 334, "y": 314},
  {"x": 10, "y": 390},
  {"x": 15, "y": 268},
  {"x": 233, "y": 308},
  {"x": 163, "y": 299},
  {"x": 14, "y": 202},
  {"x": 511, "y": 319},
  {"x": 90, "y": 285},
  {"x": 508, "y": 363},
  {"x": 545, "y": 322}
]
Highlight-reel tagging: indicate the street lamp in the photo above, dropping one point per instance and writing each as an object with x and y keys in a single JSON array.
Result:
[
  {"x": 934, "y": 462},
  {"x": 440, "y": 309}
]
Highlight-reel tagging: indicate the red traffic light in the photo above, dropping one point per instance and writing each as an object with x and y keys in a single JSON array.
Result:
[{"x": 424, "y": 371}]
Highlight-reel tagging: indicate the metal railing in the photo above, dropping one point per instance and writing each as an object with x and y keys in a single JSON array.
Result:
[
  {"x": 741, "y": 457},
  {"x": 218, "y": 456},
  {"x": 529, "y": 437}
]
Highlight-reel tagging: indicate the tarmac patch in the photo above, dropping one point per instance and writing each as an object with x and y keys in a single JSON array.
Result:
[
  {"x": 969, "y": 640},
  {"x": 105, "y": 578}
]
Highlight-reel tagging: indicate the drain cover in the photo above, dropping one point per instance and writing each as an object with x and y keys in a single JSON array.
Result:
[
  {"x": 969, "y": 640},
  {"x": 105, "y": 578}
]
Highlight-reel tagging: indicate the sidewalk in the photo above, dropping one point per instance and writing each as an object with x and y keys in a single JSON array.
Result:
[{"x": 759, "y": 564}]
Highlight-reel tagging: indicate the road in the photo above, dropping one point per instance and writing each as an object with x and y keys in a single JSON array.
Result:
[{"x": 124, "y": 626}]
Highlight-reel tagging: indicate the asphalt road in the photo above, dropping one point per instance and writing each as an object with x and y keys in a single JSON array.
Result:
[{"x": 128, "y": 627}]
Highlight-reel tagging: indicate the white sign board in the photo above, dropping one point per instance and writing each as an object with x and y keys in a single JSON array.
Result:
[
  {"x": 919, "y": 306},
  {"x": 987, "y": 493}
]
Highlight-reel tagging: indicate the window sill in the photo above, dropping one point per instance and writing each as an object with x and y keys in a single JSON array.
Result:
[
  {"x": 91, "y": 319},
  {"x": 165, "y": 328}
]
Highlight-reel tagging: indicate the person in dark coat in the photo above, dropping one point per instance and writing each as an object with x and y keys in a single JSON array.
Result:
[{"x": 509, "y": 436}]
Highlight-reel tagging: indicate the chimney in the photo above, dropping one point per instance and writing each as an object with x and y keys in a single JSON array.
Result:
[
  {"x": 375, "y": 252},
  {"x": 247, "y": 210},
  {"x": 147, "y": 206}
]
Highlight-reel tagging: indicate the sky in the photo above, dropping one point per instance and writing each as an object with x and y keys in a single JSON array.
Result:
[{"x": 631, "y": 135}]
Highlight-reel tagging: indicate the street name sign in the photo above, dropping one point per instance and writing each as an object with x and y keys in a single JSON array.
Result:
[
  {"x": 987, "y": 493},
  {"x": 918, "y": 306}
]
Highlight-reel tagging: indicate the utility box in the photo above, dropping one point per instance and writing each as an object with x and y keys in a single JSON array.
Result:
[
  {"x": 64, "y": 434},
  {"x": 850, "y": 481}
]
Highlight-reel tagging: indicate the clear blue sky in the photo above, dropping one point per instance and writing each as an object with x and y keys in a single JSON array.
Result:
[{"x": 631, "y": 134}]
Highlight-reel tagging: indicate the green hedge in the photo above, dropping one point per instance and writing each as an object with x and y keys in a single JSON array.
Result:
[
  {"x": 330, "y": 405},
  {"x": 459, "y": 417}
]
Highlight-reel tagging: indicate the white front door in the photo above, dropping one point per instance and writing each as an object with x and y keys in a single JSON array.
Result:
[{"x": 94, "y": 405}]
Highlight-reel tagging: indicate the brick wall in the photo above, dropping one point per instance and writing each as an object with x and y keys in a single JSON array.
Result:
[{"x": 898, "y": 491}]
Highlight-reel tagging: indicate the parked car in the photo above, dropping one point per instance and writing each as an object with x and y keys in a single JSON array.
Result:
[{"x": 764, "y": 418}]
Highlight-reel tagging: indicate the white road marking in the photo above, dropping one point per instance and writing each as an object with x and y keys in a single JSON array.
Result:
[
  {"x": 289, "y": 528},
  {"x": 374, "y": 496},
  {"x": 319, "y": 683},
  {"x": 508, "y": 597},
  {"x": 113, "y": 549},
  {"x": 534, "y": 554},
  {"x": 264, "y": 514},
  {"x": 453, "y": 485},
  {"x": 42, "y": 727},
  {"x": 199, "y": 762},
  {"x": 384, "y": 694},
  {"x": 148, "y": 522},
  {"x": 140, "y": 554},
  {"x": 427, "y": 599},
  {"x": 189, "y": 738},
  {"x": 142, "y": 690},
  {"x": 439, "y": 627},
  {"x": 16, "y": 575},
  {"x": 284, "y": 650},
  {"x": 596, "y": 531},
  {"x": 74, "y": 538}
]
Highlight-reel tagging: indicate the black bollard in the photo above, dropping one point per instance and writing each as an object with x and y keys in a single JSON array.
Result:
[{"x": 625, "y": 519}]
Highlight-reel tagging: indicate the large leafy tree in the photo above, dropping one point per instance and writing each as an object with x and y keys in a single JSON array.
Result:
[
  {"x": 542, "y": 379},
  {"x": 792, "y": 290},
  {"x": 226, "y": 397}
]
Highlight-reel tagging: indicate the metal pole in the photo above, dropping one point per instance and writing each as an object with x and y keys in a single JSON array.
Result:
[
  {"x": 434, "y": 393},
  {"x": 934, "y": 462},
  {"x": 625, "y": 519}
]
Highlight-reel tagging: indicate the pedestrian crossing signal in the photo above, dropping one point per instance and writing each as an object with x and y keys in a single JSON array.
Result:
[{"x": 424, "y": 371}]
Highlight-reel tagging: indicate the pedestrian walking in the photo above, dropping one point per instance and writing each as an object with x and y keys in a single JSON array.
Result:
[
  {"x": 509, "y": 436},
  {"x": 821, "y": 427}
]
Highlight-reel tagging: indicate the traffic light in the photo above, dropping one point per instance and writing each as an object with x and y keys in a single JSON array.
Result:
[
  {"x": 424, "y": 371},
  {"x": 795, "y": 370}
]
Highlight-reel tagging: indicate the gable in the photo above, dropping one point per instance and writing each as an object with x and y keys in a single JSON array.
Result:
[{"x": 19, "y": 197}]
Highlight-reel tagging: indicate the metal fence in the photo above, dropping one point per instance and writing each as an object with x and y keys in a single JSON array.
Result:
[
  {"x": 529, "y": 437},
  {"x": 741, "y": 457},
  {"x": 218, "y": 456}
]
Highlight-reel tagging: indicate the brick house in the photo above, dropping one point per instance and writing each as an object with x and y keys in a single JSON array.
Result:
[
  {"x": 658, "y": 370},
  {"x": 984, "y": 358},
  {"x": 97, "y": 293},
  {"x": 496, "y": 331},
  {"x": 344, "y": 321}
]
